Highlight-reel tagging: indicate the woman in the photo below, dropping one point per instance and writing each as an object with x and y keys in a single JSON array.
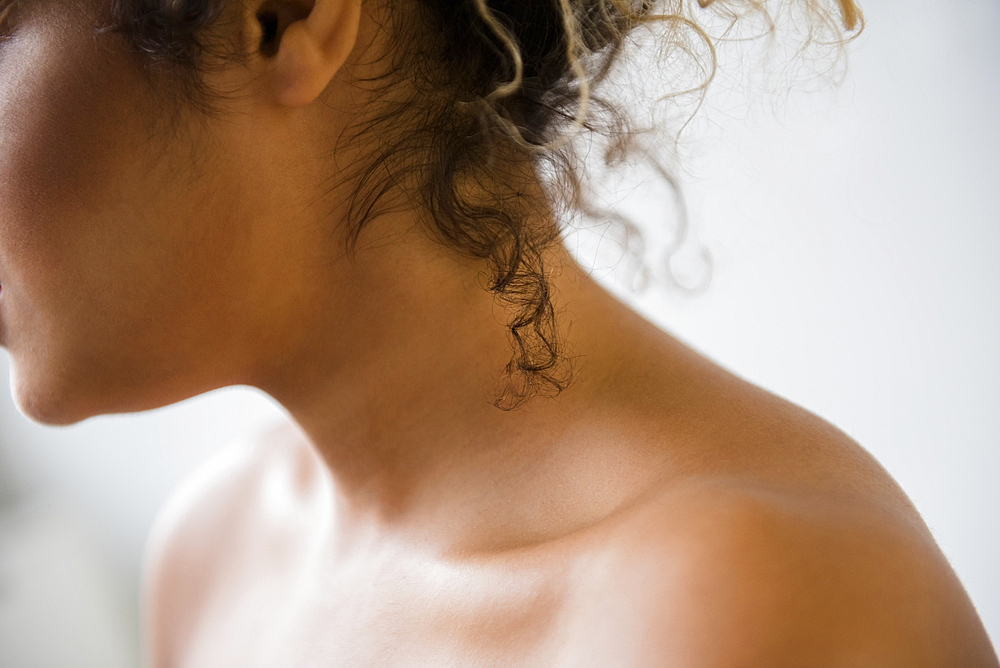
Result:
[{"x": 490, "y": 460}]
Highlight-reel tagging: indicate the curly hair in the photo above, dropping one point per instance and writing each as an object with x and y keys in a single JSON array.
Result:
[{"x": 490, "y": 84}]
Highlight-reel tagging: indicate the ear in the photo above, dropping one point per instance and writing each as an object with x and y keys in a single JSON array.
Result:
[{"x": 304, "y": 43}]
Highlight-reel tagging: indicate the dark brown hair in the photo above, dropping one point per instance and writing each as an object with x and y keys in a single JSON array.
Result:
[{"x": 490, "y": 83}]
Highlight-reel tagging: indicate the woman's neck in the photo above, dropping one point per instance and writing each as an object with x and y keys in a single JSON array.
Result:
[{"x": 393, "y": 384}]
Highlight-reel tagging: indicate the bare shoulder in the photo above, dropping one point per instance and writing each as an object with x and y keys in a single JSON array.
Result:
[
  {"x": 775, "y": 540},
  {"x": 717, "y": 572},
  {"x": 206, "y": 532}
]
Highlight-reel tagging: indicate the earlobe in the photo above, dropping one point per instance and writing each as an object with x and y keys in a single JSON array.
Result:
[
  {"x": 300, "y": 74},
  {"x": 310, "y": 48}
]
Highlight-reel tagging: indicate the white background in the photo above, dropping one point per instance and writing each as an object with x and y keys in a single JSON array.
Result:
[{"x": 855, "y": 236}]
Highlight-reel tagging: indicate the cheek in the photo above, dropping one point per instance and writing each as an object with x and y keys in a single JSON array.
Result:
[
  {"x": 58, "y": 154},
  {"x": 103, "y": 291}
]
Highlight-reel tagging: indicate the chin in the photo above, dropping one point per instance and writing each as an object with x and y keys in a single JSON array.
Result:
[
  {"x": 58, "y": 385},
  {"x": 47, "y": 398},
  {"x": 42, "y": 405}
]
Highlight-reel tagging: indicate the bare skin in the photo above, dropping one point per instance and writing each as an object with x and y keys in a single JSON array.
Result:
[
  {"x": 659, "y": 512},
  {"x": 685, "y": 518}
]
